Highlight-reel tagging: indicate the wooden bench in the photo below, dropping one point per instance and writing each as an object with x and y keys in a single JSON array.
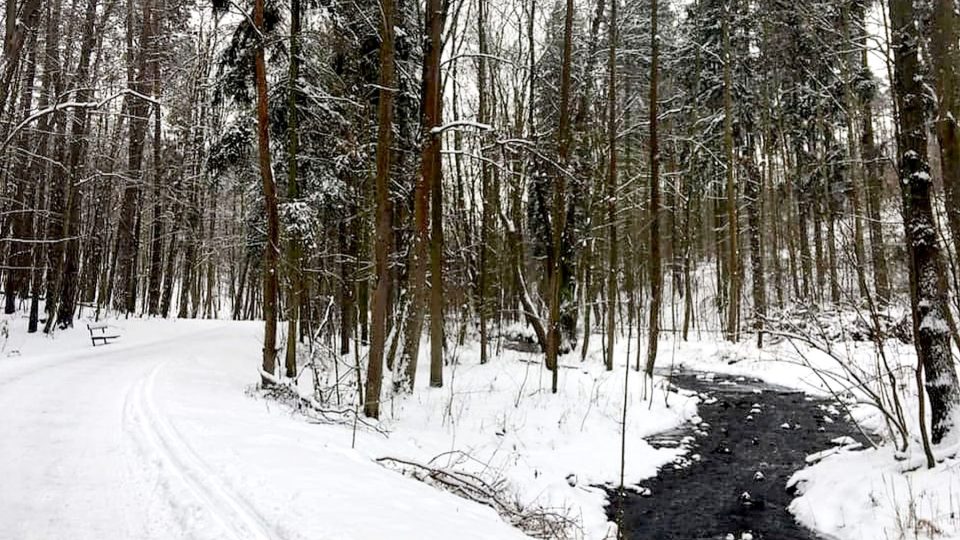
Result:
[{"x": 103, "y": 336}]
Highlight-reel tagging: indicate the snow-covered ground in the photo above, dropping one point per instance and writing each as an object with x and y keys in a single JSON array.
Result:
[
  {"x": 154, "y": 437},
  {"x": 158, "y": 436}
]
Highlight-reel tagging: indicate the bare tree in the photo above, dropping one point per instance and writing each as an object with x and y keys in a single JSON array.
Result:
[
  {"x": 656, "y": 275},
  {"x": 384, "y": 232},
  {"x": 271, "y": 251},
  {"x": 293, "y": 192}
]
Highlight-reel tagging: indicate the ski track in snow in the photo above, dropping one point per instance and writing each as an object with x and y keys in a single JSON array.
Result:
[
  {"x": 231, "y": 511},
  {"x": 154, "y": 438}
]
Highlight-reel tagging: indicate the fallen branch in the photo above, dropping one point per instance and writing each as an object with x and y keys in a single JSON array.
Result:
[
  {"x": 536, "y": 522},
  {"x": 286, "y": 392}
]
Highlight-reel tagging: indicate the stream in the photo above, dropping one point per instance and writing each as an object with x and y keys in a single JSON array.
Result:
[{"x": 731, "y": 484}]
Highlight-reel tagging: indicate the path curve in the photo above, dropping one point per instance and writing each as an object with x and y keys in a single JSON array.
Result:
[{"x": 157, "y": 437}]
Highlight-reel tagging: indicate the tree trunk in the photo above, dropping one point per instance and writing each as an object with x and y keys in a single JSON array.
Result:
[
  {"x": 384, "y": 234},
  {"x": 157, "y": 232},
  {"x": 853, "y": 152},
  {"x": 929, "y": 305},
  {"x": 73, "y": 194},
  {"x": 945, "y": 53},
  {"x": 125, "y": 299},
  {"x": 271, "y": 250},
  {"x": 431, "y": 167},
  {"x": 18, "y": 275},
  {"x": 50, "y": 81},
  {"x": 874, "y": 196},
  {"x": 293, "y": 192},
  {"x": 754, "y": 198},
  {"x": 348, "y": 271},
  {"x": 612, "y": 254},
  {"x": 20, "y": 17},
  {"x": 656, "y": 272},
  {"x": 802, "y": 188},
  {"x": 486, "y": 211},
  {"x": 157, "y": 229},
  {"x": 733, "y": 252},
  {"x": 556, "y": 263}
]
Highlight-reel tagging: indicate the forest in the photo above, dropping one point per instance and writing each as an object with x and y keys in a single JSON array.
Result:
[{"x": 388, "y": 218}]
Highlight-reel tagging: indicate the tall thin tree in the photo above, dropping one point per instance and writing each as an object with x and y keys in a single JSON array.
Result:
[
  {"x": 656, "y": 275},
  {"x": 271, "y": 250},
  {"x": 613, "y": 242},
  {"x": 293, "y": 192},
  {"x": 559, "y": 203},
  {"x": 384, "y": 232},
  {"x": 432, "y": 166},
  {"x": 733, "y": 252}
]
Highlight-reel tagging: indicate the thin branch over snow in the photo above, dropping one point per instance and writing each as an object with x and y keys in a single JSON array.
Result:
[{"x": 534, "y": 520}]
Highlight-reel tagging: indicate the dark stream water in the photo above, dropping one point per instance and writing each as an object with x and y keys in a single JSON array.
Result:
[{"x": 752, "y": 438}]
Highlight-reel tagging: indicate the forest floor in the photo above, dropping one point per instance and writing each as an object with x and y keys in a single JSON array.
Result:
[{"x": 163, "y": 434}]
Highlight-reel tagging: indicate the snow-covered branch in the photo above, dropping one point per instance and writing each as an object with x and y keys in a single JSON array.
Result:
[
  {"x": 72, "y": 105},
  {"x": 458, "y": 124}
]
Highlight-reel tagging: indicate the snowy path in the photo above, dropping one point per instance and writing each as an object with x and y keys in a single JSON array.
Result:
[{"x": 153, "y": 437}]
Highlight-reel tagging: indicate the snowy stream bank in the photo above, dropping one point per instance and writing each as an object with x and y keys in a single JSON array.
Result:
[{"x": 732, "y": 483}]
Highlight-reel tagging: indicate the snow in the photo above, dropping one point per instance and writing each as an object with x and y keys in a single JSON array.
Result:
[
  {"x": 935, "y": 323},
  {"x": 159, "y": 435},
  {"x": 155, "y": 437},
  {"x": 921, "y": 176},
  {"x": 868, "y": 494},
  {"x": 461, "y": 124},
  {"x": 162, "y": 434},
  {"x": 505, "y": 415}
]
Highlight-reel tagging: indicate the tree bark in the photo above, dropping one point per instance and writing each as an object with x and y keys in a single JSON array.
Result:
[
  {"x": 69, "y": 280},
  {"x": 293, "y": 193},
  {"x": 20, "y": 18},
  {"x": 486, "y": 211},
  {"x": 733, "y": 265},
  {"x": 559, "y": 204},
  {"x": 874, "y": 196},
  {"x": 612, "y": 249},
  {"x": 853, "y": 152},
  {"x": 754, "y": 196},
  {"x": 271, "y": 250},
  {"x": 928, "y": 297},
  {"x": 945, "y": 53},
  {"x": 384, "y": 233},
  {"x": 18, "y": 275},
  {"x": 656, "y": 272},
  {"x": 157, "y": 229},
  {"x": 431, "y": 167},
  {"x": 125, "y": 298}
]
